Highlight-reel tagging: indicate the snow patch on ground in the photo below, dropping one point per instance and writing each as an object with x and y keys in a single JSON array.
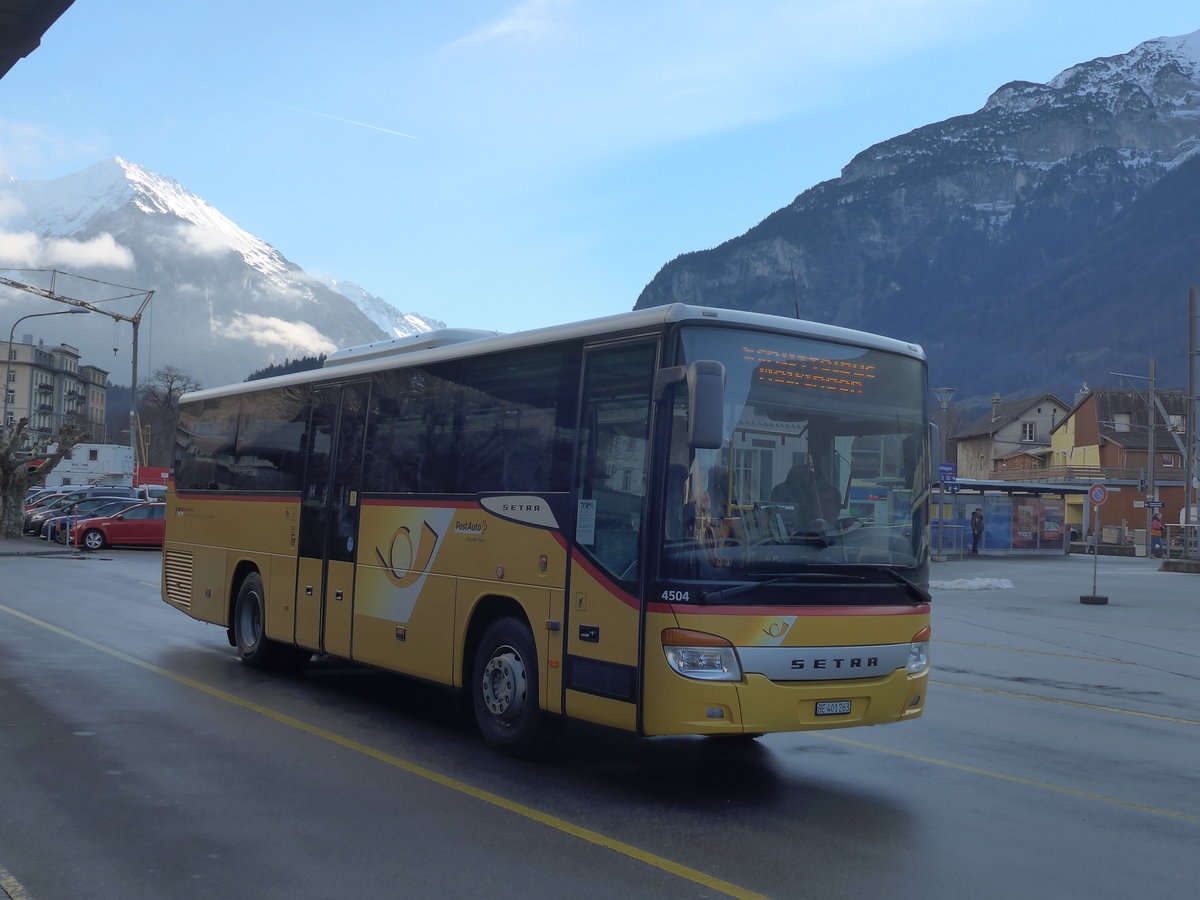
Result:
[{"x": 972, "y": 584}]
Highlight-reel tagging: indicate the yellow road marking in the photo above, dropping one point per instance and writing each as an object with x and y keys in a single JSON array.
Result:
[
  {"x": 11, "y": 887},
  {"x": 446, "y": 781},
  {"x": 1012, "y": 779},
  {"x": 1115, "y": 662},
  {"x": 1112, "y": 709}
]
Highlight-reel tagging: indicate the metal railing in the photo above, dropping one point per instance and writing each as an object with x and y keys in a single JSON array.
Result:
[{"x": 948, "y": 540}]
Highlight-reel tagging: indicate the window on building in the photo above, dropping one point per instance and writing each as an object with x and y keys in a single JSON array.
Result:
[
  {"x": 1120, "y": 421},
  {"x": 1029, "y": 431}
]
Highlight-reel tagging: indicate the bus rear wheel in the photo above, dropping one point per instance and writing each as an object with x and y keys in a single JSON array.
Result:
[
  {"x": 504, "y": 688},
  {"x": 249, "y": 631}
]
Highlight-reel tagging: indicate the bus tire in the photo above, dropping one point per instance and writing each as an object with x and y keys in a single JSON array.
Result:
[
  {"x": 249, "y": 626},
  {"x": 504, "y": 688}
]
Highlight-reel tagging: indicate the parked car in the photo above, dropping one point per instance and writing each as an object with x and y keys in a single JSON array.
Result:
[
  {"x": 55, "y": 528},
  {"x": 84, "y": 492},
  {"x": 140, "y": 526}
]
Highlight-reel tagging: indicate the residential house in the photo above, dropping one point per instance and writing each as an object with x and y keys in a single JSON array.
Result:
[
  {"x": 1010, "y": 440},
  {"x": 1106, "y": 439}
]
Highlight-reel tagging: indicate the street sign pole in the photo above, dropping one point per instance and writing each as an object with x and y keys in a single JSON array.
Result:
[{"x": 1097, "y": 493}]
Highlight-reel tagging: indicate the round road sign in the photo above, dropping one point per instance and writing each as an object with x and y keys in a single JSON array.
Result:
[{"x": 1098, "y": 493}]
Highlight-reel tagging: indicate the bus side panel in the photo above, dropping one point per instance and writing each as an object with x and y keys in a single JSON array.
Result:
[
  {"x": 194, "y": 581},
  {"x": 602, "y": 655},
  {"x": 279, "y": 579},
  {"x": 306, "y": 595},
  {"x": 198, "y": 561},
  {"x": 405, "y": 630},
  {"x": 674, "y": 704},
  {"x": 423, "y": 568}
]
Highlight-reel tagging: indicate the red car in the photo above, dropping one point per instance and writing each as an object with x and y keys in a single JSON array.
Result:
[{"x": 139, "y": 526}]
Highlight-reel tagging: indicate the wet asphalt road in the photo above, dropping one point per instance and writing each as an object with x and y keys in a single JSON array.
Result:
[{"x": 139, "y": 759}]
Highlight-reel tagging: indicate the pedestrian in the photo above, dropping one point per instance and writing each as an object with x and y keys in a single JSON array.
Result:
[
  {"x": 976, "y": 529},
  {"x": 1156, "y": 533}
]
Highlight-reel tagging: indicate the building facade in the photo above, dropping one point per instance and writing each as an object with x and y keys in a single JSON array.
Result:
[{"x": 49, "y": 386}]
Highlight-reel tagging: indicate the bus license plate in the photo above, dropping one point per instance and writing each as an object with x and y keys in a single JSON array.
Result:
[{"x": 833, "y": 707}]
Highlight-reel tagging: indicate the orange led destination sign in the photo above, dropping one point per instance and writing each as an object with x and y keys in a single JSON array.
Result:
[{"x": 810, "y": 372}]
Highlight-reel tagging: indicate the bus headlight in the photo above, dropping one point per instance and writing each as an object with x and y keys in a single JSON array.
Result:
[
  {"x": 695, "y": 654},
  {"x": 918, "y": 652}
]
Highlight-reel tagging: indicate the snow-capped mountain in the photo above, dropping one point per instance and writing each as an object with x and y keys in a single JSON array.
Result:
[
  {"x": 1039, "y": 242},
  {"x": 226, "y": 302},
  {"x": 393, "y": 322}
]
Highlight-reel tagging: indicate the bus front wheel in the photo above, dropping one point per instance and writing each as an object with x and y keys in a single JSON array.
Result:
[{"x": 504, "y": 688}]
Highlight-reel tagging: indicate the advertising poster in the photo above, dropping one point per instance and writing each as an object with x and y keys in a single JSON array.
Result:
[
  {"x": 1052, "y": 524},
  {"x": 997, "y": 523},
  {"x": 1026, "y": 523}
]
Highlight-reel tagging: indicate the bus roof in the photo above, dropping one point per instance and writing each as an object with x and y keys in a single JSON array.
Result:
[{"x": 447, "y": 344}]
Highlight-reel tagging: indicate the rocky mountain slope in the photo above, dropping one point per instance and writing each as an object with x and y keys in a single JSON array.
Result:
[
  {"x": 1045, "y": 240},
  {"x": 225, "y": 304}
]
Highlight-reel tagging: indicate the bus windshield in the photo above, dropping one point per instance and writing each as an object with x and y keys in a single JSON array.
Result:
[{"x": 823, "y": 467}]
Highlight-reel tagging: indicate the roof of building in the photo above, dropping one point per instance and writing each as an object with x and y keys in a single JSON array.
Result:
[
  {"x": 22, "y": 24},
  {"x": 1135, "y": 433},
  {"x": 1004, "y": 412}
]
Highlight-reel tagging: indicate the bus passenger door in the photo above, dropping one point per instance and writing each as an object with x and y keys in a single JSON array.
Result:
[
  {"x": 329, "y": 519},
  {"x": 601, "y": 678}
]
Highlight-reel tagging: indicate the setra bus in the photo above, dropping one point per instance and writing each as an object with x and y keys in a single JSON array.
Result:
[{"x": 679, "y": 520}]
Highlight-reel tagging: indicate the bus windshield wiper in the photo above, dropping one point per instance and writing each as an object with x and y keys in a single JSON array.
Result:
[
  {"x": 923, "y": 595},
  {"x": 745, "y": 586}
]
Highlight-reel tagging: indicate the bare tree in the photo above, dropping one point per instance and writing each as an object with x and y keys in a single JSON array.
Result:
[
  {"x": 20, "y": 466},
  {"x": 159, "y": 409}
]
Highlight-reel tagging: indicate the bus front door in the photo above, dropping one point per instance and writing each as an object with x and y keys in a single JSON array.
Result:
[
  {"x": 601, "y": 677},
  {"x": 329, "y": 519}
]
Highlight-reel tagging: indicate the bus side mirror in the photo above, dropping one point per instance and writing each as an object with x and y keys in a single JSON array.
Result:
[
  {"x": 705, "y": 380},
  {"x": 706, "y": 404}
]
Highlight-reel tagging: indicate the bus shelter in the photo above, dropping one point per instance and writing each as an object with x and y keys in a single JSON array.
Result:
[{"x": 1018, "y": 517}]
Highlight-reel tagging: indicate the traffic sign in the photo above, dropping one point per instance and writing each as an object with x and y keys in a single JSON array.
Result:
[
  {"x": 1098, "y": 493},
  {"x": 947, "y": 472},
  {"x": 1154, "y": 504}
]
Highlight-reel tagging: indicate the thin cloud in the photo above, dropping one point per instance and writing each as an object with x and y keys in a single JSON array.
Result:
[
  {"x": 529, "y": 19},
  {"x": 26, "y": 250},
  {"x": 313, "y": 112},
  {"x": 270, "y": 331}
]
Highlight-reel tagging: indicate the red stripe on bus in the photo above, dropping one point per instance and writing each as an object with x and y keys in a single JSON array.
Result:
[
  {"x": 234, "y": 495},
  {"x": 701, "y": 609},
  {"x": 424, "y": 504}
]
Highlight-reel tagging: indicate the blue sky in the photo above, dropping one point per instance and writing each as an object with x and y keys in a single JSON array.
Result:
[{"x": 508, "y": 165}]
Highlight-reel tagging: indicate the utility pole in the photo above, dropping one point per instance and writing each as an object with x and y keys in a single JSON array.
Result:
[
  {"x": 1190, "y": 460},
  {"x": 135, "y": 320},
  {"x": 1151, "y": 456}
]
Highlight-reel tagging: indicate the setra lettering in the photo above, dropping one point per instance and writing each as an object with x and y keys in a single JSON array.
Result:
[{"x": 836, "y": 662}]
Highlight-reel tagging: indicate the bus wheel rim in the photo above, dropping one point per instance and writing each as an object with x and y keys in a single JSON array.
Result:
[{"x": 505, "y": 684}]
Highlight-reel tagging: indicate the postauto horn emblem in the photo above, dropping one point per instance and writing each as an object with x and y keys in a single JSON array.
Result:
[{"x": 406, "y": 563}]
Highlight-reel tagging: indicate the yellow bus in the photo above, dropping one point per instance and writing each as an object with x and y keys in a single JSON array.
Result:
[{"x": 679, "y": 520}]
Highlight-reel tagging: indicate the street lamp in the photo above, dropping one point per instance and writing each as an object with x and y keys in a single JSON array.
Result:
[
  {"x": 8, "y": 365},
  {"x": 944, "y": 394}
]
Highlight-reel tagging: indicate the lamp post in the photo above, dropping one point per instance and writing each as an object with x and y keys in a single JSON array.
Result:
[
  {"x": 8, "y": 365},
  {"x": 943, "y": 395}
]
